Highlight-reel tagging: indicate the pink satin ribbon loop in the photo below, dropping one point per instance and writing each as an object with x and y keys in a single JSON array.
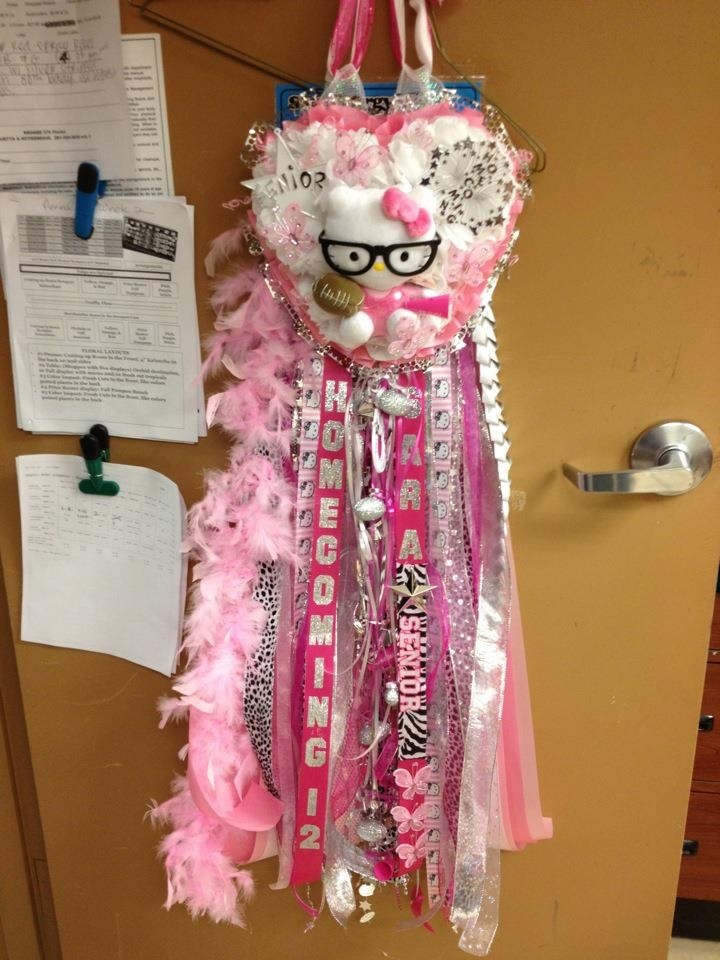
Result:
[{"x": 351, "y": 34}]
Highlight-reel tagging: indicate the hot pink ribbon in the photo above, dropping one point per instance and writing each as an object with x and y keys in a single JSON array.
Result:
[
  {"x": 439, "y": 306},
  {"x": 318, "y": 670},
  {"x": 351, "y": 34},
  {"x": 411, "y": 538}
]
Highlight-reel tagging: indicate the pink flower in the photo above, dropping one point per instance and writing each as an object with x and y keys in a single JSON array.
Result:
[
  {"x": 472, "y": 267},
  {"x": 313, "y": 155},
  {"x": 355, "y": 162},
  {"x": 409, "y": 335},
  {"x": 285, "y": 232},
  {"x": 418, "y": 134},
  {"x": 412, "y": 853},
  {"x": 388, "y": 127},
  {"x": 334, "y": 115}
]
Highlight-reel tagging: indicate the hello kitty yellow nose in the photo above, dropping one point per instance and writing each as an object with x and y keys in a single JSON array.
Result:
[{"x": 379, "y": 265}]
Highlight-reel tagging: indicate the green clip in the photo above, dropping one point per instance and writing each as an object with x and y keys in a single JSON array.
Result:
[{"x": 95, "y": 447}]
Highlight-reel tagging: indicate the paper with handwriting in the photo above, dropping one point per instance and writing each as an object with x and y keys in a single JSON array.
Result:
[
  {"x": 145, "y": 88},
  {"x": 102, "y": 573},
  {"x": 62, "y": 91}
]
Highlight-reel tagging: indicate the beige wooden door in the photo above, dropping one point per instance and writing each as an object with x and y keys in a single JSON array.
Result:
[{"x": 607, "y": 324}]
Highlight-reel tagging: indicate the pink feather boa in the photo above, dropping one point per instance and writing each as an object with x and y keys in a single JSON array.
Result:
[{"x": 244, "y": 519}]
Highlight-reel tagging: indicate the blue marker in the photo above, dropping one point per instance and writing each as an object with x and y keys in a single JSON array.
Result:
[{"x": 89, "y": 187}]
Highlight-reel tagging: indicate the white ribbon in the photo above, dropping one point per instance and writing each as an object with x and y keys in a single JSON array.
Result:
[{"x": 422, "y": 36}]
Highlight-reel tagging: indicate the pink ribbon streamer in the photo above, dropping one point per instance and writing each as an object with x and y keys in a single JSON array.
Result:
[
  {"x": 476, "y": 879},
  {"x": 519, "y": 792},
  {"x": 411, "y": 552},
  {"x": 517, "y": 763},
  {"x": 386, "y": 756},
  {"x": 321, "y": 628},
  {"x": 284, "y": 745}
]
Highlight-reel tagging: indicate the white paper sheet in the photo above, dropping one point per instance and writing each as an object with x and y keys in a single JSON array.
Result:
[
  {"x": 102, "y": 573},
  {"x": 62, "y": 93},
  {"x": 145, "y": 89},
  {"x": 103, "y": 329}
]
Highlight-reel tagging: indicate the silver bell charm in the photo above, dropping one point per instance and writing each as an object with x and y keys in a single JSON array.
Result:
[
  {"x": 397, "y": 403},
  {"x": 366, "y": 735},
  {"x": 392, "y": 694},
  {"x": 369, "y": 509},
  {"x": 365, "y": 408},
  {"x": 371, "y": 830}
]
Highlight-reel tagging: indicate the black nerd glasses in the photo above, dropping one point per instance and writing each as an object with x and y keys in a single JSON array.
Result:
[{"x": 403, "y": 259}]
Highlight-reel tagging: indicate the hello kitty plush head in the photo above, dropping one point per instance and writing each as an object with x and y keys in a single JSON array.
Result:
[{"x": 380, "y": 238}]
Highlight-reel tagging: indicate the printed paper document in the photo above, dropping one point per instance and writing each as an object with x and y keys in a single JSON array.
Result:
[
  {"x": 103, "y": 329},
  {"x": 145, "y": 89},
  {"x": 102, "y": 573},
  {"x": 62, "y": 93}
]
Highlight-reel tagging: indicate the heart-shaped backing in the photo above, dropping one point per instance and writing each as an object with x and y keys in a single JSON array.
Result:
[{"x": 385, "y": 233}]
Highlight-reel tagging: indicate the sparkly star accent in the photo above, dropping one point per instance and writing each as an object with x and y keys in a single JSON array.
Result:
[
  {"x": 474, "y": 183},
  {"x": 413, "y": 588},
  {"x": 289, "y": 183},
  {"x": 417, "y": 589}
]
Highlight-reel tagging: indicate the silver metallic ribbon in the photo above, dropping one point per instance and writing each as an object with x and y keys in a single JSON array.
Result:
[
  {"x": 283, "y": 762},
  {"x": 343, "y": 858},
  {"x": 475, "y": 901}
]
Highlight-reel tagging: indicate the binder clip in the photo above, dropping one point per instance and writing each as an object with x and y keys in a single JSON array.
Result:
[
  {"x": 95, "y": 446},
  {"x": 88, "y": 189}
]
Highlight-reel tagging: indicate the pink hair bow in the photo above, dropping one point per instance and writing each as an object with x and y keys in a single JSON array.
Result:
[{"x": 399, "y": 206}]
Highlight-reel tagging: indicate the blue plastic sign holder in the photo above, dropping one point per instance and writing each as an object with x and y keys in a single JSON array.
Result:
[{"x": 288, "y": 97}]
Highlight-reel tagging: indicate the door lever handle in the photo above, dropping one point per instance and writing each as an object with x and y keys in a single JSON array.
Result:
[{"x": 668, "y": 459}]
